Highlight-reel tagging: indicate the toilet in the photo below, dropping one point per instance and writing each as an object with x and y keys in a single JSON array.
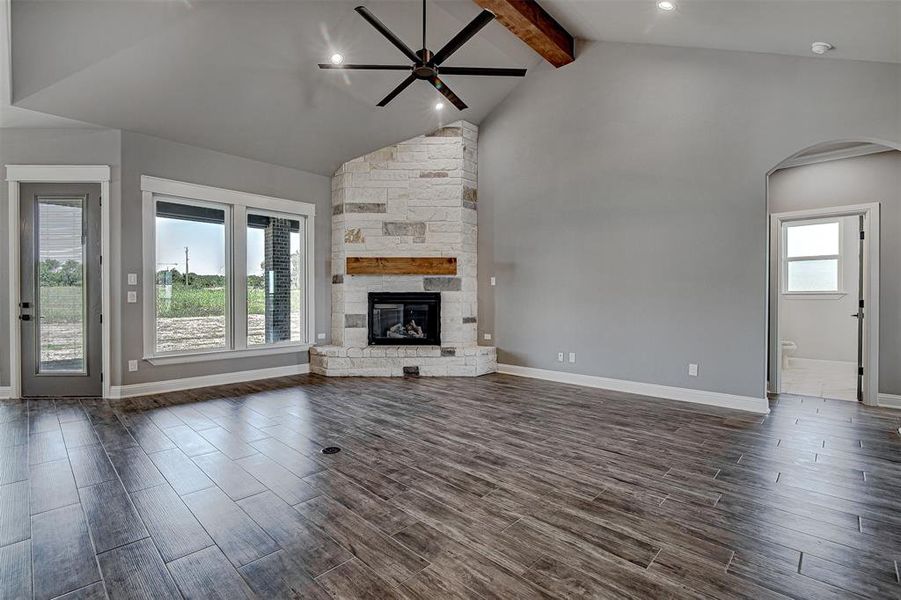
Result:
[{"x": 788, "y": 348}]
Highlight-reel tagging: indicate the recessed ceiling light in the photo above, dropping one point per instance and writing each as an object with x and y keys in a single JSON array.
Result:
[
  {"x": 337, "y": 59},
  {"x": 666, "y": 5},
  {"x": 820, "y": 47},
  {"x": 439, "y": 106}
]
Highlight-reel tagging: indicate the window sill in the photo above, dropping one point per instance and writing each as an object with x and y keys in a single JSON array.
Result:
[
  {"x": 178, "y": 359},
  {"x": 815, "y": 295}
]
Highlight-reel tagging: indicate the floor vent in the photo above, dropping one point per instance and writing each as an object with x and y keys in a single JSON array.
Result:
[{"x": 331, "y": 450}]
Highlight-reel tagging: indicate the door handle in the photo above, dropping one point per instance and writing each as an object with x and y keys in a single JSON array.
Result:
[{"x": 857, "y": 315}]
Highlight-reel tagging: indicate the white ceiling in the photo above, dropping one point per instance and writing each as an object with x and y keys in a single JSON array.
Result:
[
  {"x": 859, "y": 29},
  {"x": 240, "y": 76}
]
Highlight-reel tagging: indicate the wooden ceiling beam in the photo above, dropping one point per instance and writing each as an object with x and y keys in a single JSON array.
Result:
[{"x": 533, "y": 25}]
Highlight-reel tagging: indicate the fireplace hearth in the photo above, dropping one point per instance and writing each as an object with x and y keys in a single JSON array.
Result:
[{"x": 404, "y": 318}]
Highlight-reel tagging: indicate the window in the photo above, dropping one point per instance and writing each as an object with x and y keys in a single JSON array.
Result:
[
  {"x": 226, "y": 273},
  {"x": 812, "y": 257},
  {"x": 275, "y": 270},
  {"x": 192, "y": 282}
]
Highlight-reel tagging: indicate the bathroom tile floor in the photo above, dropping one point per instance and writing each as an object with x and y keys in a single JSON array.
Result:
[{"x": 822, "y": 379}]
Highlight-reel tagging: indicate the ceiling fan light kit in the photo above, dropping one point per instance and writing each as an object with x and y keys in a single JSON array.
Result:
[{"x": 426, "y": 64}]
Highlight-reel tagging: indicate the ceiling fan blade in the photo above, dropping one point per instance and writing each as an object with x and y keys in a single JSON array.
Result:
[
  {"x": 371, "y": 18},
  {"x": 403, "y": 85},
  {"x": 447, "y": 93},
  {"x": 476, "y": 25},
  {"x": 365, "y": 67},
  {"x": 490, "y": 71}
]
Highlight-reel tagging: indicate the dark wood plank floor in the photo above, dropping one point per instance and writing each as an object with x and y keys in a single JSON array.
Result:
[{"x": 498, "y": 487}]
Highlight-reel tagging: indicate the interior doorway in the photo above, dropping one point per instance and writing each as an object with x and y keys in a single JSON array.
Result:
[
  {"x": 821, "y": 296},
  {"x": 828, "y": 182},
  {"x": 60, "y": 289}
]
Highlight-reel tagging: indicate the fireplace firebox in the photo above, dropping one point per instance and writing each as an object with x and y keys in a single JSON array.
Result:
[{"x": 405, "y": 318}]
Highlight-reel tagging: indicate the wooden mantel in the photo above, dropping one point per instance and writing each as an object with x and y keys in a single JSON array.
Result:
[
  {"x": 533, "y": 25},
  {"x": 387, "y": 265}
]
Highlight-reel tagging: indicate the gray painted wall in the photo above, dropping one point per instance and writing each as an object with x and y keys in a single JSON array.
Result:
[
  {"x": 874, "y": 178},
  {"x": 622, "y": 204},
  {"x": 48, "y": 146},
  {"x": 145, "y": 155},
  {"x": 821, "y": 325}
]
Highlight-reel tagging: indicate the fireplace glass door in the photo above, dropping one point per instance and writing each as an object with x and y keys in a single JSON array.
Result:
[{"x": 404, "y": 318}]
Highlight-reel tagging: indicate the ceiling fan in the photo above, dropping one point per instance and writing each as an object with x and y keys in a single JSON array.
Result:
[{"x": 426, "y": 64}]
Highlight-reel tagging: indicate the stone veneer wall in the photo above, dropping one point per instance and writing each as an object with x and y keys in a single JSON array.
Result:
[{"x": 414, "y": 199}]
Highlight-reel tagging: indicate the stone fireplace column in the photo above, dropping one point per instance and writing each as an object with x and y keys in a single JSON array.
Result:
[{"x": 417, "y": 199}]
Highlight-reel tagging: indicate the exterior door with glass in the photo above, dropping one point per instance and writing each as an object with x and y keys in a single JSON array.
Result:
[{"x": 60, "y": 290}]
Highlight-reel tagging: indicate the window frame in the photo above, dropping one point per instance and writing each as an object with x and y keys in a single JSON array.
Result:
[
  {"x": 236, "y": 205},
  {"x": 786, "y": 260}
]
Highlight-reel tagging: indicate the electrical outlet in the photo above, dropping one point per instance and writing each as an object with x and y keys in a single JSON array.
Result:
[
  {"x": 692, "y": 370},
  {"x": 320, "y": 336},
  {"x": 493, "y": 281},
  {"x": 487, "y": 336},
  {"x": 132, "y": 297},
  {"x": 132, "y": 279},
  {"x": 572, "y": 357},
  {"x": 559, "y": 357},
  {"x": 132, "y": 365}
]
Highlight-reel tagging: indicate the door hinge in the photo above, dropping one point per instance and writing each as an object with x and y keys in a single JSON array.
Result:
[
  {"x": 101, "y": 318},
  {"x": 860, "y": 304},
  {"x": 860, "y": 370},
  {"x": 101, "y": 377},
  {"x": 862, "y": 235}
]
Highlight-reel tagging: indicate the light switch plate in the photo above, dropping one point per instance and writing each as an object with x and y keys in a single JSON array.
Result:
[
  {"x": 132, "y": 279},
  {"x": 132, "y": 297},
  {"x": 493, "y": 281},
  {"x": 559, "y": 357},
  {"x": 320, "y": 336},
  {"x": 132, "y": 365},
  {"x": 487, "y": 336},
  {"x": 692, "y": 370},
  {"x": 572, "y": 357}
]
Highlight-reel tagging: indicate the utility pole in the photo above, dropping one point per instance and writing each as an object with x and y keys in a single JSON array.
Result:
[{"x": 186, "y": 265}]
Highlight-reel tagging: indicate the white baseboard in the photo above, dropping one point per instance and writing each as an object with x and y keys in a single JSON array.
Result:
[
  {"x": 748, "y": 403},
  {"x": 189, "y": 383},
  {"x": 5, "y": 392},
  {"x": 890, "y": 400}
]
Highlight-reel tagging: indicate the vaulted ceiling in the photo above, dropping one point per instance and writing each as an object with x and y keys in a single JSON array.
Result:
[{"x": 240, "y": 76}]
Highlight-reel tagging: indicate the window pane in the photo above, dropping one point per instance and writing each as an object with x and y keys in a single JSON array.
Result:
[
  {"x": 813, "y": 275},
  {"x": 61, "y": 285},
  {"x": 275, "y": 276},
  {"x": 191, "y": 283},
  {"x": 819, "y": 239}
]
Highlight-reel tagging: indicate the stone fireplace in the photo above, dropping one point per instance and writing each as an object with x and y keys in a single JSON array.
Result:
[{"x": 404, "y": 237}]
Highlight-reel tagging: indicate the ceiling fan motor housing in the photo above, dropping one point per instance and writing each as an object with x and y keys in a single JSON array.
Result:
[{"x": 424, "y": 70}]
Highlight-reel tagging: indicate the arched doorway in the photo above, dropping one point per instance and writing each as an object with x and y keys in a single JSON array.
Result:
[{"x": 810, "y": 208}]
